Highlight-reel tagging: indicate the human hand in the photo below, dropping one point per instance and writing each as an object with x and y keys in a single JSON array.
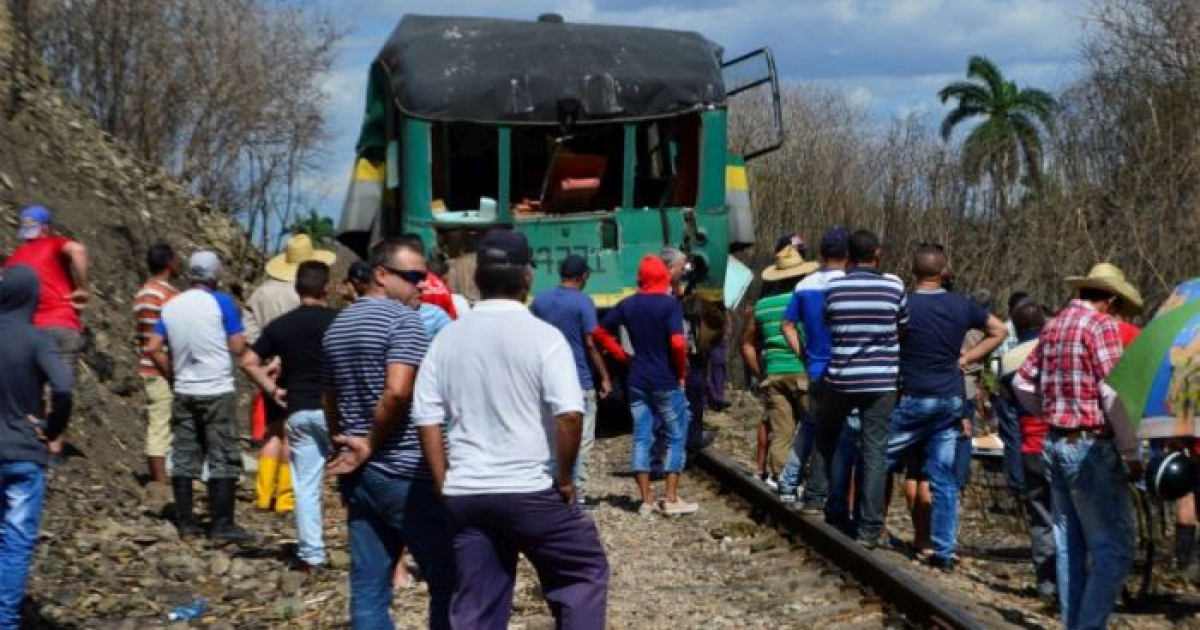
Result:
[
  {"x": 79, "y": 299},
  {"x": 966, "y": 427},
  {"x": 605, "y": 389},
  {"x": 274, "y": 367},
  {"x": 279, "y": 395},
  {"x": 1133, "y": 469},
  {"x": 356, "y": 449},
  {"x": 566, "y": 491},
  {"x": 39, "y": 428}
]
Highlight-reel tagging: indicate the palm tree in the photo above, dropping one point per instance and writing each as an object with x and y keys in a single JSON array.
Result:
[
  {"x": 1009, "y": 139},
  {"x": 319, "y": 228}
]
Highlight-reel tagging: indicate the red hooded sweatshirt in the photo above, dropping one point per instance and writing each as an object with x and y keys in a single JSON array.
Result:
[{"x": 653, "y": 320}]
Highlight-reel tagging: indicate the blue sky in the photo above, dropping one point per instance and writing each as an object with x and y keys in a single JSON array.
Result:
[{"x": 890, "y": 55}]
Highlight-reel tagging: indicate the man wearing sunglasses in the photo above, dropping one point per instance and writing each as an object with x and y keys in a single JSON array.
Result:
[{"x": 372, "y": 351}]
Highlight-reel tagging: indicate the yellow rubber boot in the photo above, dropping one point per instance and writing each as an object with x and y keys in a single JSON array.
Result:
[
  {"x": 285, "y": 497},
  {"x": 264, "y": 484}
]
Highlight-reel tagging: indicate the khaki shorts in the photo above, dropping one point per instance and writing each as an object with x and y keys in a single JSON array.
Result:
[{"x": 158, "y": 415}]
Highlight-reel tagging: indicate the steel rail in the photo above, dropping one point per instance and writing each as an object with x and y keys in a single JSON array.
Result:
[{"x": 918, "y": 603}]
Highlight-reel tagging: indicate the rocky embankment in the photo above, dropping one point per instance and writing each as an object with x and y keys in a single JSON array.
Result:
[{"x": 55, "y": 155}]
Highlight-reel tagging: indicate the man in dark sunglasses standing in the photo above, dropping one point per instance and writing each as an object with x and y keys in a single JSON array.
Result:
[{"x": 372, "y": 351}]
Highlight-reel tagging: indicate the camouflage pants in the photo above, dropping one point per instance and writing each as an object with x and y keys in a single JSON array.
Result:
[{"x": 205, "y": 427}]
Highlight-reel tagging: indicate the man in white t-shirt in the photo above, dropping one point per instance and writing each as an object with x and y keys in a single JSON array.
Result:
[
  {"x": 503, "y": 385},
  {"x": 205, "y": 332}
]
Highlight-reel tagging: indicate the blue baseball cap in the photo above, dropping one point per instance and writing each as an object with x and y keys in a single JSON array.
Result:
[
  {"x": 33, "y": 220},
  {"x": 573, "y": 266},
  {"x": 836, "y": 242}
]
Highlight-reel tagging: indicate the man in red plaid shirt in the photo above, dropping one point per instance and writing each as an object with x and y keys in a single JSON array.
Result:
[{"x": 1090, "y": 451}]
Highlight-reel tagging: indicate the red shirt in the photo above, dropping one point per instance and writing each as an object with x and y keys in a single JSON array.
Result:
[
  {"x": 436, "y": 292},
  {"x": 1128, "y": 333},
  {"x": 1033, "y": 433},
  {"x": 1077, "y": 350},
  {"x": 45, "y": 257}
]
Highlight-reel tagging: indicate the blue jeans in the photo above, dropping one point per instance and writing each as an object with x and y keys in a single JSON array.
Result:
[
  {"x": 933, "y": 424},
  {"x": 308, "y": 439},
  {"x": 1008, "y": 425},
  {"x": 696, "y": 399},
  {"x": 22, "y": 488},
  {"x": 1093, "y": 525},
  {"x": 964, "y": 448},
  {"x": 668, "y": 406},
  {"x": 792, "y": 474},
  {"x": 841, "y": 470},
  {"x": 875, "y": 413},
  {"x": 386, "y": 512}
]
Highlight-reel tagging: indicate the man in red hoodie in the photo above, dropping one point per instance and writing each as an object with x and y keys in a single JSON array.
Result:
[{"x": 653, "y": 320}]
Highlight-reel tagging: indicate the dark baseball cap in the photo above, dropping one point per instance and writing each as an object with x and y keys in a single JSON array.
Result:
[
  {"x": 792, "y": 240},
  {"x": 359, "y": 271},
  {"x": 836, "y": 242},
  {"x": 573, "y": 266},
  {"x": 504, "y": 247}
]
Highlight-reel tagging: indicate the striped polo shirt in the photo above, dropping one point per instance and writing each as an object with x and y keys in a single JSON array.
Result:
[
  {"x": 148, "y": 303},
  {"x": 362, "y": 342},
  {"x": 865, "y": 310}
]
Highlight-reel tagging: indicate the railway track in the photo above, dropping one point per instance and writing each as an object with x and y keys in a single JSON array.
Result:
[{"x": 884, "y": 593}]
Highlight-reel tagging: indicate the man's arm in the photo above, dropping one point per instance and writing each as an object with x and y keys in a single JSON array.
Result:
[
  {"x": 568, "y": 430},
  {"x": 253, "y": 366},
  {"x": 792, "y": 335},
  {"x": 237, "y": 345},
  {"x": 433, "y": 446},
  {"x": 156, "y": 348},
  {"x": 562, "y": 396},
  {"x": 397, "y": 393},
  {"x": 598, "y": 364},
  {"x": 994, "y": 332},
  {"x": 429, "y": 414},
  {"x": 605, "y": 334},
  {"x": 750, "y": 348},
  {"x": 333, "y": 418},
  {"x": 793, "y": 314},
  {"x": 77, "y": 265}
]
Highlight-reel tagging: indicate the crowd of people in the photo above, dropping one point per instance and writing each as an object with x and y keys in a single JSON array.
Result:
[
  {"x": 863, "y": 380},
  {"x": 468, "y": 448}
]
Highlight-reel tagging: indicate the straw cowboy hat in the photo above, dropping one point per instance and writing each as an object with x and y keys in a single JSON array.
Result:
[
  {"x": 299, "y": 250},
  {"x": 788, "y": 264},
  {"x": 1110, "y": 278}
]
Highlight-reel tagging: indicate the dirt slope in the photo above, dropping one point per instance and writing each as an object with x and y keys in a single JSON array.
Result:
[{"x": 52, "y": 153}]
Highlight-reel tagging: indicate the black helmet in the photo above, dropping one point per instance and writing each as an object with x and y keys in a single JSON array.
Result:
[{"x": 1170, "y": 476}]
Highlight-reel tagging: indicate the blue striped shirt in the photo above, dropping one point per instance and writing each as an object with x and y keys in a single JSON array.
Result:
[
  {"x": 362, "y": 342},
  {"x": 865, "y": 310}
]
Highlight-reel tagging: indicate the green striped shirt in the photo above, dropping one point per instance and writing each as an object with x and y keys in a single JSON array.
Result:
[{"x": 768, "y": 312}]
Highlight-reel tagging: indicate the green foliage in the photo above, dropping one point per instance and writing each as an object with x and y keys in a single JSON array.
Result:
[
  {"x": 1010, "y": 137},
  {"x": 319, "y": 228}
]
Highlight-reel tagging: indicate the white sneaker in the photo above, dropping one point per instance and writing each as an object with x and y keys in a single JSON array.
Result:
[
  {"x": 678, "y": 508},
  {"x": 647, "y": 509},
  {"x": 772, "y": 483}
]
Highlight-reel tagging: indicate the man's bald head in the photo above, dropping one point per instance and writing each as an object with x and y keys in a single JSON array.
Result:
[{"x": 928, "y": 263}]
